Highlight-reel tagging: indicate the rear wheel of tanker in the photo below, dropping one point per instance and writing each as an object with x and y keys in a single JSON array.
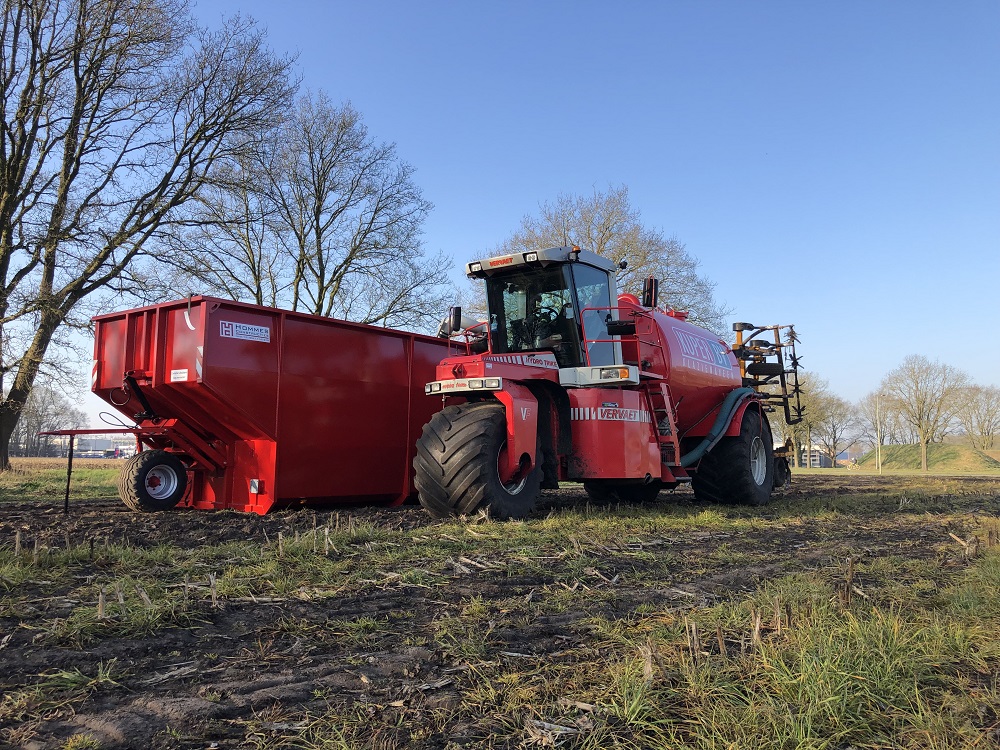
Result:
[
  {"x": 458, "y": 460},
  {"x": 152, "y": 480},
  {"x": 605, "y": 492},
  {"x": 739, "y": 470}
]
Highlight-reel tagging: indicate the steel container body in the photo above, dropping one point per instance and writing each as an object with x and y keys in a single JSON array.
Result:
[
  {"x": 699, "y": 367},
  {"x": 269, "y": 407}
]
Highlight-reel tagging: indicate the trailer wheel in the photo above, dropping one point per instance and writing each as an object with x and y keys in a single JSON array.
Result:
[
  {"x": 457, "y": 461},
  {"x": 605, "y": 492},
  {"x": 152, "y": 480},
  {"x": 739, "y": 470}
]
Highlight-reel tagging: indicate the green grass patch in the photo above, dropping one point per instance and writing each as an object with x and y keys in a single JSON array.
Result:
[
  {"x": 673, "y": 626},
  {"x": 44, "y": 479}
]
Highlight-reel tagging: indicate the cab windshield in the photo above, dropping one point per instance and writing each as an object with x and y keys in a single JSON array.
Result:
[{"x": 538, "y": 310}]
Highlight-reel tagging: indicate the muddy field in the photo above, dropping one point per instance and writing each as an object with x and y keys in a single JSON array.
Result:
[{"x": 382, "y": 633}]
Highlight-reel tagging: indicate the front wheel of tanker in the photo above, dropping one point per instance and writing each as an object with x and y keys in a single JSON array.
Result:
[
  {"x": 152, "y": 480},
  {"x": 740, "y": 469},
  {"x": 458, "y": 460}
]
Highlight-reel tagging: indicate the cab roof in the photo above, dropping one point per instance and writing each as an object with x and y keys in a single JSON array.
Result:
[{"x": 479, "y": 269}]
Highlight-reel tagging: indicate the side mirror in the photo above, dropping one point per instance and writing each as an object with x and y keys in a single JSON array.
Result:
[
  {"x": 455, "y": 319},
  {"x": 650, "y": 292}
]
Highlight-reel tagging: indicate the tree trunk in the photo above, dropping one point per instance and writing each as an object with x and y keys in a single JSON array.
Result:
[
  {"x": 923, "y": 455},
  {"x": 24, "y": 379}
]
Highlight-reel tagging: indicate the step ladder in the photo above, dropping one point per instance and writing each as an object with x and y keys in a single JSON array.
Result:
[{"x": 662, "y": 412}]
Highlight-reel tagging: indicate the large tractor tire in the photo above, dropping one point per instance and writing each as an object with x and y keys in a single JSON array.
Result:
[
  {"x": 152, "y": 480},
  {"x": 457, "y": 462},
  {"x": 739, "y": 470},
  {"x": 605, "y": 492}
]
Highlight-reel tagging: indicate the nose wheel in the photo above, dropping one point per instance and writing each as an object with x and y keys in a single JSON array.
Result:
[{"x": 152, "y": 480}]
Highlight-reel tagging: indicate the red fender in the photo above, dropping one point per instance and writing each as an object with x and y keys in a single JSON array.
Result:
[
  {"x": 733, "y": 430},
  {"x": 522, "y": 428}
]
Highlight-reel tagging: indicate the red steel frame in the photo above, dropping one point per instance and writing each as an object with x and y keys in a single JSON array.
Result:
[{"x": 269, "y": 407}]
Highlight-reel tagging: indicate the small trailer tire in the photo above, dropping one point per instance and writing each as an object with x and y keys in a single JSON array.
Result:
[
  {"x": 457, "y": 460},
  {"x": 738, "y": 470},
  {"x": 152, "y": 480}
]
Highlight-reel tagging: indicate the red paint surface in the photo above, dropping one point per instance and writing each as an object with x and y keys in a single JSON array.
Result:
[{"x": 315, "y": 409}]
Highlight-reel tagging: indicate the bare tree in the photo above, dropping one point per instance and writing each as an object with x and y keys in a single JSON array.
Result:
[
  {"x": 227, "y": 247},
  {"x": 880, "y": 422},
  {"x": 838, "y": 426},
  {"x": 115, "y": 114},
  {"x": 351, "y": 217},
  {"x": 45, "y": 410},
  {"x": 813, "y": 398},
  {"x": 324, "y": 220},
  {"x": 609, "y": 225},
  {"x": 927, "y": 396},
  {"x": 979, "y": 414}
]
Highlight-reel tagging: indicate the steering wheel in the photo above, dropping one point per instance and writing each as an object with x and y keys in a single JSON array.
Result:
[{"x": 550, "y": 314}]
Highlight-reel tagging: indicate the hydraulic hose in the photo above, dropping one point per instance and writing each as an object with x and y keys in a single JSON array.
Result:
[{"x": 729, "y": 405}]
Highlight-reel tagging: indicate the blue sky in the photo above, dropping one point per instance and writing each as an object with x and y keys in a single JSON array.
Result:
[{"x": 834, "y": 165}]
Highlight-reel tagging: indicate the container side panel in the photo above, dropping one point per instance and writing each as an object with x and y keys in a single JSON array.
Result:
[
  {"x": 240, "y": 366},
  {"x": 109, "y": 354},
  {"x": 118, "y": 349},
  {"x": 344, "y": 404},
  {"x": 184, "y": 345}
]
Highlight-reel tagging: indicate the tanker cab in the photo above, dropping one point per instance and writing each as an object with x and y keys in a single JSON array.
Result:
[{"x": 557, "y": 300}]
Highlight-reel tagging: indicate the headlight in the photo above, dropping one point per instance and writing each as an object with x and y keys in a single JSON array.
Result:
[{"x": 614, "y": 373}]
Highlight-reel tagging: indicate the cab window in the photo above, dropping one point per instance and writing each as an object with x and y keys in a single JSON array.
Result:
[{"x": 594, "y": 296}]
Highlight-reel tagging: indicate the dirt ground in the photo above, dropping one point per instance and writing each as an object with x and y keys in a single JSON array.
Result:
[{"x": 239, "y": 671}]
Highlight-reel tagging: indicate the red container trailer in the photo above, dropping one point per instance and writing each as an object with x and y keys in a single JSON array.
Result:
[{"x": 252, "y": 408}]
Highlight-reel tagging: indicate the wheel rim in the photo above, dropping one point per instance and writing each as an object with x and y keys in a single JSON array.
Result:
[
  {"x": 758, "y": 461},
  {"x": 516, "y": 483},
  {"x": 161, "y": 482}
]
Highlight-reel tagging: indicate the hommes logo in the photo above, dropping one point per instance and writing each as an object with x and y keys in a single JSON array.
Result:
[{"x": 232, "y": 330}]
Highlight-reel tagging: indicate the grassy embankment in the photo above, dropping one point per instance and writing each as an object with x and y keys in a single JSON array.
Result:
[{"x": 942, "y": 460}]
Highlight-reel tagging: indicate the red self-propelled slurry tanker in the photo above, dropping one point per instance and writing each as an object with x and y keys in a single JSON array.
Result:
[{"x": 573, "y": 382}]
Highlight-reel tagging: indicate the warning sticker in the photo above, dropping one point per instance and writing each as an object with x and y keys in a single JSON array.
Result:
[
  {"x": 178, "y": 376},
  {"x": 232, "y": 330}
]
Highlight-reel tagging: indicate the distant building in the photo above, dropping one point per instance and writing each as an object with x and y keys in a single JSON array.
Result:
[
  {"x": 90, "y": 446},
  {"x": 814, "y": 458}
]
